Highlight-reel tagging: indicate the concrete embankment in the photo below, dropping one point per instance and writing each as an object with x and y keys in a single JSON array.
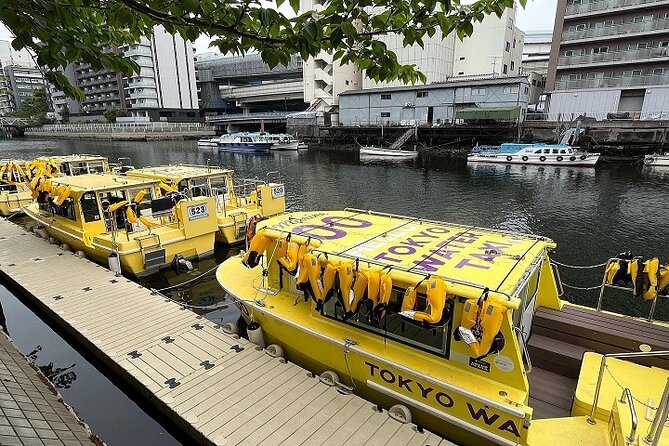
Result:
[{"x": 123, "y": 136}]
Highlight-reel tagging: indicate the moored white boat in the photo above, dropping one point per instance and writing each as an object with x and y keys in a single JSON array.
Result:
[
  {"x": 539, "y": 154},
  {"x": 378, "y": 152},
  {"x": 280, "y": 141},
  {"x": 208, "y": 142},
  {"x": 657, "y": 160},
  {"x": 243, "y": 142}
]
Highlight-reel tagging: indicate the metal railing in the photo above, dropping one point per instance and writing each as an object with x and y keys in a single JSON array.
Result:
[
  {"x": 600, "y": 377},
  {"x": 627, "y": 395},
  {"x": 605, "y": 285},
  {"x": 616, "y": 30},
  {"x": 630, "y": 56},
  {"x": 621, "y": 81},
  {"x": 129, "y": 127},
  {"x": 655, "y": 429},
  {"x": 601, "y": 5}
]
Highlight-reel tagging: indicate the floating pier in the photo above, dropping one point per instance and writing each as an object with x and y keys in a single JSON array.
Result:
[
  {"x": 217, "y": 388},
  {"x": 32, "y": 411}
]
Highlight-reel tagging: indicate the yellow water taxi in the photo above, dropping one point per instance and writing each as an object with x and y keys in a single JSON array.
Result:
[
  {"x": 16, "y": 174},
  {"x": 236, "y": 201},
  {"x": 125, "y": 218},
  {"x": 432, "y": 320}
]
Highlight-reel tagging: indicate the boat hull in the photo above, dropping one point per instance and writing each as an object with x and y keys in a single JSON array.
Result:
[
  {"x": 544, "y": 160},
  {"x": 244, "y": 146},
  {"x": 387, "y": 153},
  {"x": 657, "y": 160},
  {"x": 290, "y": 145}
]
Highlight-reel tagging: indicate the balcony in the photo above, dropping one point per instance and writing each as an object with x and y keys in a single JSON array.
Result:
[
  {"x": 139, "y": 51},
  {"x": 624, "y": 29},
  {"x": 615, "y": 57},
  {"x": 613, "y": 82},
  {"x": 608, "y": 6},
  {"x": 144, "y": 95}
]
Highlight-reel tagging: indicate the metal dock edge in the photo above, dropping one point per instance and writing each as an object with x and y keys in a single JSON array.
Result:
[{"x": 217, "y": 388}]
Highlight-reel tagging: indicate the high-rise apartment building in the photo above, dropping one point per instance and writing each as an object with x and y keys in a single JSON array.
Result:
[
  {"x": 610, "y": 56},
  {"x": 21, "y": 82},
  {"x": 537, "y": 51},
  {"x": 163, "y": 90}
]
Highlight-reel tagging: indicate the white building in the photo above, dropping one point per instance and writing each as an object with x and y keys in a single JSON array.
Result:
[
  {"x": 163, "y": 90},
  {"x": 537, "y": 51},
  {"x": 495, "y": 48},
  {"x": 9, "y": 56}
]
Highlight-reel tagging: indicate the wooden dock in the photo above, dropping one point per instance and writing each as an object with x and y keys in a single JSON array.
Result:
[
  {"x": 217, "y": 388},
  {"x": 32, "y": 411}
]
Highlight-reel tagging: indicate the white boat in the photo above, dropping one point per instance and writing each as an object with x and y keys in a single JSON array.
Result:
[
  {"x": 280, "y": 141},
  {"x": 657, "y": 160},
  {"x": 208, "y": 142},
  {"x": 539, "y": 154},
  {"x": 243, "y": 142},
  {"x": 380, "y": 152}
]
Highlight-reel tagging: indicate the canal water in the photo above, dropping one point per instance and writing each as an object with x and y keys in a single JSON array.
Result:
[{"x": 592, "y": 214}]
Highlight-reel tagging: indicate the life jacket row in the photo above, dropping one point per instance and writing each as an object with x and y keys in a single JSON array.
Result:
[
  {"x": 645, "y": 278},
  {"x": 321, "y": 278}
]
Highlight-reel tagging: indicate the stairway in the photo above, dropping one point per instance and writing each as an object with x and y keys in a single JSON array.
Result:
[{"x": 404, "y": 137}]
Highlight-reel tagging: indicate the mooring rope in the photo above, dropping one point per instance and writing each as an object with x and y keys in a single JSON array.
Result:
[
  {"x": 581, "y": 288},
  {"x": 186, "y": 282},
  {"x": 599, "y": 265}
]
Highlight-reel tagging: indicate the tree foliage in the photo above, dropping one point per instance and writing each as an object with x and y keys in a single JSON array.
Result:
[
  {"x": 110, "y": 115},
  {"x": 64, "y": 31},
  {"x": 34, "y": 108},
  {"x": 65, "y": 114}
]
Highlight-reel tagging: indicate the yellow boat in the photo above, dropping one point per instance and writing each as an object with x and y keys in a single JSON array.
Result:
[
  {"x": 236, "y": 202},
  {"x": 431, "y": 320},
  {"x": 126, "y": 218},
  {"x": 16, "y": 174}
]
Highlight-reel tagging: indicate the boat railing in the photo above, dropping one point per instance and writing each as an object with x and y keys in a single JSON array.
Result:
[
  {"x": 655, "y": 429},
  {"x": 605, "y": 285},
  {"x": 527, "y": 361}
]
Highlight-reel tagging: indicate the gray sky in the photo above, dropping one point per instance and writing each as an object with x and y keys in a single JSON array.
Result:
[{"x": 539, "y": 15}]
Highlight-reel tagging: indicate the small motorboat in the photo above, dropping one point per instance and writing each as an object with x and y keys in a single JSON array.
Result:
[
  {"x": 657, "y": 160},
  {"x": 243, "y": 142},
  {"x": 207, "y": 142},
  {"x": 280, "y": 141},
  {"x": 380, "y": 152},
  {"x": 539, "y": 154}
]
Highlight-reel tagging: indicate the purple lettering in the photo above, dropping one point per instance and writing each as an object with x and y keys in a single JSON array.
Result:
[
  {"x": 339, "y": 221},
  {"x": 437, "y": 230},
  {"x": 372, "y": 368},
  {"x": 384, "y": 256},
  {"x": 490, "y": 258},
  {"x": 428, "y": 264},
  {"x": 466, "y": 262},
  {"x": 482, "y": 414},
  {"x": 387, "y": 376},
  {"x": 510, "y": 426},
  {"x": 404, "y": 382},
  {"x": 319, "y": 232},
  {"x": 444, "y": 399},
  {"x": 425, "y": 234},
  {"x": 445, "y": 254},
  {"x": 424, "y": 391},
  {"x": 402, "y": 250}
]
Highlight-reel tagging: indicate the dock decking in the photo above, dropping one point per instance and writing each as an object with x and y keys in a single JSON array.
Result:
[
  {"x": 32, "y": 413},
  {"x": 217, "y": 388}
]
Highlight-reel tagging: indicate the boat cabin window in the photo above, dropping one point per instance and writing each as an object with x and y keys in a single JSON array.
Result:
[
  {"x": 89, "y": 207},
  {"x": 537, "y": 151},
  {"x": 432, "y": 338},
  {"x": 108, "y": 198},
  {"x": 8, "y": 187},
  {"x": 563, "y": 151},
  {"x": 555, "y": 151},
  {"x": 65, "y": 210},
  {"x": 547, "y": 151},
  {"x": 198, "y": 188},
  {"x": 144, "y": 205}
]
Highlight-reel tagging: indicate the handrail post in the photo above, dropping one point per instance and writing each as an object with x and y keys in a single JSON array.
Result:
[
  {"x": 601, "y": 290},
  {"x": 627, "y": 394},
  {"x": 655, "y": 429},
  {"x": 598, "y": 386}
]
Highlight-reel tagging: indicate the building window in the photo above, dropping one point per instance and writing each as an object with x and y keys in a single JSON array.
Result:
[
  {"x": 421, "y": 94},
  {"x": 505, "y": 69},
  {"x": 509, "y": 23},
  {"x": 644, "y": 18},
  {"x": 659, "y": 71},
  {"x": 460, "y": 73},
  {"x": 480, "y": 91},
  {"x": 510, "y": 89},
  {"x": 600, "y": 49},
  {"x": 385, "y": 114},
  {"x": 641, "y": 46},
  {"x": 580, "y": 27},
  {"x": 507, "y": 47},
  {"x": 664, "y": 44},
  {"x": 631, "y": 73},
  {"x": 347, "y": 82},
  {"x": 462, "y": 57},
  {"x": 514, "y": 43},
  {"x": 386, "y": 97},
  {"x": 512, "y": 66}
]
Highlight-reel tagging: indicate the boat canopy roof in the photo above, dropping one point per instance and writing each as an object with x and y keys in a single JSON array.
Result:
[
  {"x": 99, "y": 182},
  {"x": 179, "y": 172},
  {"x": 466, "y": 255},
  {"x": 76, "y": 158}
]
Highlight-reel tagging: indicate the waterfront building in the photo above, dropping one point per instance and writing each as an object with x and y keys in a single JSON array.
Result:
[
  {"x": 436, "y": 104},
  {"x": 536, "y": 52},
  {"x": 20, "y": 82},
  {"x": 163, "y": 90},
  {"x": 610, "y": 57},
  {"x": 245, "y": 90}
]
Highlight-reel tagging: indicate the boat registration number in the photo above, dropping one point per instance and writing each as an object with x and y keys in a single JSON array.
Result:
[
  {"x": 278, "y": 191},
  {"x": 198, "y": 211}
]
